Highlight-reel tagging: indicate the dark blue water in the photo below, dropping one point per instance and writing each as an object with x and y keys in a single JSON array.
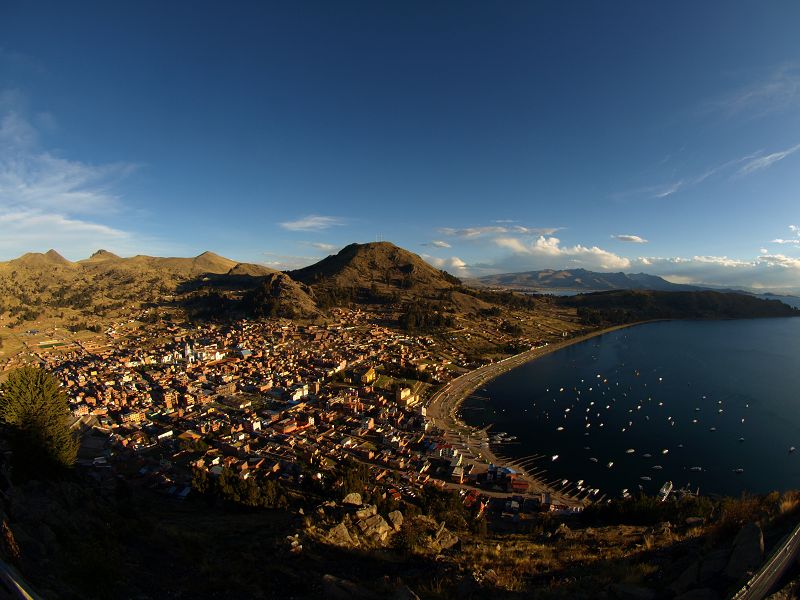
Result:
[{"x": 643, "y": 388}]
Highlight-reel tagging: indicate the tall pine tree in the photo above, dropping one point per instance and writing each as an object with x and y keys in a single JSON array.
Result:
[{"x": 36, "y": 414}]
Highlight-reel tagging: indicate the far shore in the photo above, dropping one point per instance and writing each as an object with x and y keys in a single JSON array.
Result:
[{"x": 443, "y": 405}]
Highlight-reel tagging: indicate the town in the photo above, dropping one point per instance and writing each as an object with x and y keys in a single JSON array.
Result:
[{"x": 272, "y": 400}]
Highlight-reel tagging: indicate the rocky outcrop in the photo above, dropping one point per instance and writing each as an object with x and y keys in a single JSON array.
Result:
[
  {"x": 374, "y": 527},
  {"x": 396, "y": 519},
  {"x": 368, "y": 510},
  {"x": 358, "y": 524},
  {"x": 339, "y": 535},
  {"x": 748, "y": 551},
  {"x": 445, "y": 539},
  {"x": 352, "y": 499}
]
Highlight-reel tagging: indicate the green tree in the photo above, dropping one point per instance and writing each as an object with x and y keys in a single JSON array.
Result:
[{"x": 36, "y": 412}]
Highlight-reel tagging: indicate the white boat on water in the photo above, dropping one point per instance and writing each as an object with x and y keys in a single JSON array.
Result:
[
  {"x": 593, "y": 459},
  {"x": 665, "y": 491},
  {"x": 696, "y": 469},
  {"x": 610, "y": 464},
  {"x": 645, "y": 478},
  {"x": 630, "y": 451},
  {"x": 738, "y": 471},
  {"x": 554, "y": 457}
]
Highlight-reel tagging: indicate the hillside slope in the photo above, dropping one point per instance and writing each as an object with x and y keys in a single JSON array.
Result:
[
  {"x": 380, "y": 264},
  {"x": 638, "y": 305},
  {"x": 46, "y": 284}
]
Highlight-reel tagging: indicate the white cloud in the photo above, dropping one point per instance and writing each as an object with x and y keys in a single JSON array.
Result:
[
  {"x": 777, "y": 90},
  {"x": 795, "y": 241},
  {"x": 453, "y": 264},
  {"x": 764, "y": 162},
  {"x": 781, "y": 260},
  {"x": 313, "y": 223},
  {"x": 437, "y": 244},
  {"x": 476, "y": 232},
  {"x": 766, "y": 271},
  {"x": 551, "y": 248},
  {"x": 668, "y": 189},
  {"x": 287, "y": 262},
  {"x": 323, "y": 246},
  {"x": 33, "y": 231},
  {"x": 48, "y": 200},
  {"x": 624, "y": 237}
]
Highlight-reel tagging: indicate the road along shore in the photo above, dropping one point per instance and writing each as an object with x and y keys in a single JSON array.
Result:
[{"x": 443, "y": 405}]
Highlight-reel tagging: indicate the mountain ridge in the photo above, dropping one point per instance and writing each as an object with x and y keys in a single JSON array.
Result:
[{"x": 582, "y": 280}]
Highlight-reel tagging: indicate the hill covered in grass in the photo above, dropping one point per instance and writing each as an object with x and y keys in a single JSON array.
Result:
[
  {"x": 626, "y": 306},
  {"x": 377, "y": 264}
]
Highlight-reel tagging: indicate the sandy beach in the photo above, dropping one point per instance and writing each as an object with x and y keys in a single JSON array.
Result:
[{"x": 474, "y": 443}]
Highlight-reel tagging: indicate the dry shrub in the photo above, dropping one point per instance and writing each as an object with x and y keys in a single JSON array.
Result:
[
  {"x": 737, "y": 512},
  {"x": 789, "y": 503}
]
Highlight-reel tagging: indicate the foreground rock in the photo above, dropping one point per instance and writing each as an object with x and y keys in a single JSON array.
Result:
[
  {"x": 352, "y": 499},
  {"x": 748, "y": 551}
]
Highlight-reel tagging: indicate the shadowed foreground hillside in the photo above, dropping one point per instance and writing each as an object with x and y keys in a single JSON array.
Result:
[{"x": 79, "y": 539}]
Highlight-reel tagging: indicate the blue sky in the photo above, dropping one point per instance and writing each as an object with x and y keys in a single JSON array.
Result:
[{"x": 661, "y": 137}]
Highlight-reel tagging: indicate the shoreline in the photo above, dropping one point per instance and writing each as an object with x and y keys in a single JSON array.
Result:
[{"x": 474, "y": 443}]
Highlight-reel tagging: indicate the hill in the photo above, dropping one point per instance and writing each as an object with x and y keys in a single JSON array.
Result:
[
  {"x": 581, "y": 280},
  {"x": 51, "y": 258},
  {"x": 48, "y": 285},
  {"x": 380, "y": 264},
  {"x": 251, "y": 270},
  {"x": 624, "y": 306},
  {"x": 278, "y": 295}
]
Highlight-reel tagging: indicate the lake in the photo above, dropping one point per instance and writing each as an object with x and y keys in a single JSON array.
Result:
[{"x": 714, "y": 405}]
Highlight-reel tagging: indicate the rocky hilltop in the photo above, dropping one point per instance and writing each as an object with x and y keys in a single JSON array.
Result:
[{"x": 380, "y": 264}]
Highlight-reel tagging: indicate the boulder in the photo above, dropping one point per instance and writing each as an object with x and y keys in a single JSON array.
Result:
[
  {"x": 340, "y": 536},
  {"x": 687, "y": 579},
  {"x": 713, "y": 564},
  {"x": 352, "y": 499},
  {"x": 368, "y": 510},
  {"x": 396, "y": 519},
  {"x": 375, "y": 527},
  {"x": 748, "y": 551},
  {"x": 446, "y": 539},
  {"x": 626, "y": 591}
]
